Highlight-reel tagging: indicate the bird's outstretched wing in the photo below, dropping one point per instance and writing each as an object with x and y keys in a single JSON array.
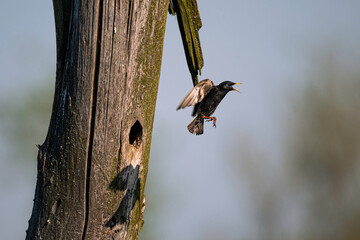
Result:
[{"x": 197, "y": 94}]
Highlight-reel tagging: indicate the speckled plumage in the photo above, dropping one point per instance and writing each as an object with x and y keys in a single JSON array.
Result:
[{"x": 206, "y": 97}]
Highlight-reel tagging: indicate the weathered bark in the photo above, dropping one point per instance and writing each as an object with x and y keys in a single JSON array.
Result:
[
  {"x": 189, "y": 25},
  {"x": 93, "y": 164}
]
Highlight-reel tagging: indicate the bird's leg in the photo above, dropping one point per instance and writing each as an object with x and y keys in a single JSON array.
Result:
[{"x": 211, "y": 119}]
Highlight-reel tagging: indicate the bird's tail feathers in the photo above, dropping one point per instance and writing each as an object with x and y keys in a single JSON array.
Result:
[{"x": 197, "y": 125}]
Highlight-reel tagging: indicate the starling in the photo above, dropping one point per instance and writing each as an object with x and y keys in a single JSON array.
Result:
[{"x": 206, "y": 97}]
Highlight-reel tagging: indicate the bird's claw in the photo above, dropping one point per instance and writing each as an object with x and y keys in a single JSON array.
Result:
[{"x": 213, "y": 119}]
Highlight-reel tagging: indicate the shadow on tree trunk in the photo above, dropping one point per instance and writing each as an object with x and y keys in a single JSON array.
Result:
[{"x": 127, "y": 180}]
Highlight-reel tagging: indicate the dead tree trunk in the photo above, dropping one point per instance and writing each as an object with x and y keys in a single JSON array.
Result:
[{"x": 93, "y": 164}]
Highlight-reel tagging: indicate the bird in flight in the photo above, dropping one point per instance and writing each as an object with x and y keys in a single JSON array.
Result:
[{"x": 205, "y": 97}]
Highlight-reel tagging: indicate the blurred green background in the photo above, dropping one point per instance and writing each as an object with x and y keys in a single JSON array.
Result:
[{"x": 283, "y": 162}]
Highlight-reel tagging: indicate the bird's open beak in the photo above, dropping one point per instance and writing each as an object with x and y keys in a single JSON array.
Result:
[{"x": 235, "y": 88}]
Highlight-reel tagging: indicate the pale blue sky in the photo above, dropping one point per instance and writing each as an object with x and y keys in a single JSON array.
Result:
[{"x": 267, "y": 45}]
